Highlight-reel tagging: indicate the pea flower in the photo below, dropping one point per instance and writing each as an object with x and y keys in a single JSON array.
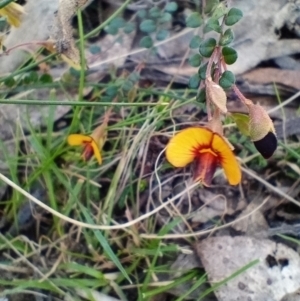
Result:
[
  {"x": 207, "y": 150},
  {"x": 13, "y": 13},
  {"x": 92, "y": 145}
]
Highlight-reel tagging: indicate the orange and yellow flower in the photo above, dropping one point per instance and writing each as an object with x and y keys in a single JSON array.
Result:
[
  {"x": 207, "y": 150},
  {"x": 92, "y": 145}
]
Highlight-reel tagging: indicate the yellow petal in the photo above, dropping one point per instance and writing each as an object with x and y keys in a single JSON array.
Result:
[
  {"x": 13, "y": 13},
  {"x": 184, "y": 146},
  {"x": 227, "y": 160},
  {"x": 96, "y": 150},
  {"x": 78, "y": 139}
]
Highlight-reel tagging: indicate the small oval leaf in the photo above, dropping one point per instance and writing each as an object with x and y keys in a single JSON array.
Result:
[
  {"x": 230, "y": 55},
  {"x": 210, "y": 6},
  {"x": 201, "y": 96},
  {"x": 118, "y": 22},
  {"x": 207, "y": 47},
  {"x": 146, "y": 42},
  {"x": 129, "y": 27},
  {"x": 195, "y": 60},
  {"x": 202, "y": 71},
  {"x": 234, "y": 15},
  {"x": 171, "y": 7},
  {"x": 194, "y": 20},
  {"x": 162, "y": 34},
  {"x": 227, "y": 37},
  {"x": 148, "y": 26},
  {"x": 142, "y": 13},
  {"x": 212, "y": 25},
  {"x": 219, "y": 11},
  {"x": 166, "y": 17},
  {"x": 195, "y": 42},
  {"x": 194, "y": 81},
  {"x": 227, "y": 80},
  {"x": 155, "y": 12}
]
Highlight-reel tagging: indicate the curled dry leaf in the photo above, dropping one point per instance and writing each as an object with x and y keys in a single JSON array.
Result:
[{"x": 216, "y": 95}]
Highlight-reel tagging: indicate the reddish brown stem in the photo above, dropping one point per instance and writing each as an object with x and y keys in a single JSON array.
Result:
[{"x": 7, "y": 52}]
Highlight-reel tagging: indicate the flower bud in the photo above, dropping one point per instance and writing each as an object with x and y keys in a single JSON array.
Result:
[
  {"x": 261, "y": 130},
  {"x": 216, "y": 95}
]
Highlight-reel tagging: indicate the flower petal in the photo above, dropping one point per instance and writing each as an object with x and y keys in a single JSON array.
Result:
[
  {"x": 227, "y": 160},
  {"x": 13, "y": 13},
  {"x": 205, "y": 168},
  {"x": 96, "y": 150},
  {"x": 78, "y": 139},
  {"x": 184, "y": 146}
]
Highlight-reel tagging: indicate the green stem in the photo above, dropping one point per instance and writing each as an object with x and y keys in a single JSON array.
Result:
[
  {"x": 75, "y": 103},
  {"x": 76, "y": 114}
]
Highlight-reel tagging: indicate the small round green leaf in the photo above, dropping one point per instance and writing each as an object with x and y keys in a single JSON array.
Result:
[
  {"x": 10, "y": 82},
  {"x": 34, "y": 77},
  {"x": 202, "y": 71},
  {"x": 162, "y": 34},
  {"x": 234, "y": 15},
  {"x": 195, "y": 42},
  {"x": 129, "y": 27},
  {"x": 201, "y": 96},
  {"x": 110, "y": 29},
  {"x": 134, "y": 77},
  {"x": 194, "y": 81},
  {"x": 229, "y": 54},
  {"x": 171, "y": 7},
  {"x": 155, "y": 12},
  {"x": 95, "y": 49},
  {"x": 142, "y": 14},
  {"x": 219, "y": 11},
  {"x": 166, "y": 17},
  {"x": 148, "y": 26},
  {"x": 227, "y": 37},
  {"x": 112, "y": 91},
  {"x": 207, "y": 47},
  {"x": 212, "y": 25},
  {"x": 227, "y": 80},
  {"x": 146, "y": 42},
  {"x": 117, "y": 22},
  {"x": 195, "y": 60},
  {"x": 194, "y": 20},
  {"x": 211, "y": 5},
  {"x": 127, "y": 85}
]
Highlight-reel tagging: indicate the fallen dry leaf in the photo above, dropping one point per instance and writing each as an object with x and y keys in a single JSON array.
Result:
[{"x": 274, "y": 75}]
